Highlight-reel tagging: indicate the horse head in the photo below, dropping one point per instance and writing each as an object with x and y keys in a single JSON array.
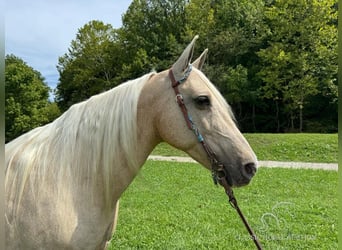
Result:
[{"x": 210, "y": 116}]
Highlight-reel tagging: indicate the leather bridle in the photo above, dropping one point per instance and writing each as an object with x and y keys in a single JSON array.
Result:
[
  {"x": 219, "y": 172},
  {"x": 217, "y": 168}
]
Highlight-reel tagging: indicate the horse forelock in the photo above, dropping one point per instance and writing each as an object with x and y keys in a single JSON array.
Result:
[{"x": 86, "y": 142}]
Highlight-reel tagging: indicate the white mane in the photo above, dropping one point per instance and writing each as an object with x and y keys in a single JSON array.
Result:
[{"x": 85, "y": 142}]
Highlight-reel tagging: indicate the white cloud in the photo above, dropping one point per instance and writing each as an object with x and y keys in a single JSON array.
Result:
[{"x": 40, "y": 31}]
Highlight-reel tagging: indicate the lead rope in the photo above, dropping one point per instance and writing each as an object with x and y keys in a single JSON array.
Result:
[
  {"x": 219, "y": 173},
  {"x": 233, "y": 202}
]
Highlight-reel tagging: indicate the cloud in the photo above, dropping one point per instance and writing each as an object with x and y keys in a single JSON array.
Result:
[{"x": 40, "y": 31}]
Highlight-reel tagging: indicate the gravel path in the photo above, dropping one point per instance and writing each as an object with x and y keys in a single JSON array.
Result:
[{"x": 269, "y": 164}]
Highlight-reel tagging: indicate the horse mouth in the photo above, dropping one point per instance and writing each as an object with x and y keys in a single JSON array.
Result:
[{"x": 241, "y": 182}]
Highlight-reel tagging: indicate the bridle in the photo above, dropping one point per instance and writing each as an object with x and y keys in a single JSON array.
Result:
[
  {"x": 217, "y": 168},
  {"x": 219, "y": 172}
]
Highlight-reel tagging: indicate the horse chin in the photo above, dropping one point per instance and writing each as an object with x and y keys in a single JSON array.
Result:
[{"x": 241, "y": 183}]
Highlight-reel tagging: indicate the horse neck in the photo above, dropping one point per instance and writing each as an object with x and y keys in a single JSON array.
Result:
[{"x": 148, "y": 136}]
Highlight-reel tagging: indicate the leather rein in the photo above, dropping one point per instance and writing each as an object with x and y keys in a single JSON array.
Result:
[{"x": 219, "y": 172}]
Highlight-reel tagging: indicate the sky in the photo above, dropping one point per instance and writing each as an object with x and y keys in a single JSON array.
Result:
[{"x": 40, "y": 31}]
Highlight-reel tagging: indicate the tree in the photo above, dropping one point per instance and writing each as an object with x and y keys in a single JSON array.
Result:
[
  {"x": 301, "y": 55},
  {"x": 154, "y": 28},
  {"x": 233, "y": 31},
  {"x": 26, "y": 104},
  {"x": 274, "y": 61},
  {"x": 200, "y": 21},
  {"x": 90, "y": 66}
]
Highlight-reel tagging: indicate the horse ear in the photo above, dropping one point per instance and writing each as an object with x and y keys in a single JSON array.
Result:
[
  {"x": 198, "y": 63},
  {"x": 184, "y": 60}
]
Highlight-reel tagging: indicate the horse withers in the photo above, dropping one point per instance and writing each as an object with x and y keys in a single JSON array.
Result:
[{"x": 64, "y": 180}]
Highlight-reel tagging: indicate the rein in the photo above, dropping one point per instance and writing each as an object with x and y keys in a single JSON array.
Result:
[{"x": 219, "y": 172}]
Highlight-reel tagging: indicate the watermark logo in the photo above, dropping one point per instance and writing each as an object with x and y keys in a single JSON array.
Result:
[
  {"x": 275, "y": 225},
  {"x": 278, "y": 216}
]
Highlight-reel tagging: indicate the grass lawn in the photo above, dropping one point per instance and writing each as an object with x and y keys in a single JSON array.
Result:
[
  {"x": 176, "y": 206},
  {"x": 282, "y": 147}
]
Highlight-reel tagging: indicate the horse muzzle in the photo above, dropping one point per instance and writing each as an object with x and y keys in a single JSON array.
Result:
[{"x": 246, "y": 173}]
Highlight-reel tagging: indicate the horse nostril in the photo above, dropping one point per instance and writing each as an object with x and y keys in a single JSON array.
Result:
[{"x": 250, "y": 169}]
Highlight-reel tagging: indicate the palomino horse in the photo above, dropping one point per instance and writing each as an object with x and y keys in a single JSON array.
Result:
[{"x": 63, "y": 180}]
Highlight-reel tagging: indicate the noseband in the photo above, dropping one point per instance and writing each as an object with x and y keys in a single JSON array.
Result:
[{"x": 219, "y": 172}]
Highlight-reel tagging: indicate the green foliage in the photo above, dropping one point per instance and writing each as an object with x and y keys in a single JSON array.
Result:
[
  {"x": 157, "y": 27},
  {"x": 292, "y": 64},
  {"x": 200, "y": 20},
  {"x": 274, "y": 61},
  {"x": 176, "y": 206},
  {"x": 90, "y": 66},
  {"x": 238, "y": 30},
  {"x": 26, "y": 104}
]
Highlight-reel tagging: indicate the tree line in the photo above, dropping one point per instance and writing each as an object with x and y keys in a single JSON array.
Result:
[{"x": 275, "y": 61}]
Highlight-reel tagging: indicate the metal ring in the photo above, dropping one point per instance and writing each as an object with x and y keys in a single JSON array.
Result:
[{"x": 179, "y": 97}]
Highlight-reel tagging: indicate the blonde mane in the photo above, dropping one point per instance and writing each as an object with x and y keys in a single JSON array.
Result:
[{"x": 85, "y": 142}]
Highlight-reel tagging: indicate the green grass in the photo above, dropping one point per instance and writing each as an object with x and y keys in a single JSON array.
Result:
[
  {"x": 176, "y": 206},
  {"x": 282, "y": 147}
]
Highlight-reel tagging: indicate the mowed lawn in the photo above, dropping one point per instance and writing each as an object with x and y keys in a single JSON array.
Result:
[
  {"x": 282, "y": 147},
  {"x": 176, "y": 206}
]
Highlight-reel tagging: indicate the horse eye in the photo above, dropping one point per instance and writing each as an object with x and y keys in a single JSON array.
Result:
[{"x": 202, "y": 101}]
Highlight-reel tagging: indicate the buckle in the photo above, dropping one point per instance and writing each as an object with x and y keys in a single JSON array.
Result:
[{"x": 179, "y": 99}]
